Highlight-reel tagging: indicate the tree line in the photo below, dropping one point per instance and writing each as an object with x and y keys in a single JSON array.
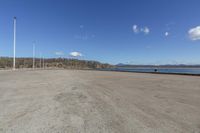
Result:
[{"x": 7, "y": 62}]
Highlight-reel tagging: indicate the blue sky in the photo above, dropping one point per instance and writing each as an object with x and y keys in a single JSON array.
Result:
[{"x": 112, "y": 31}]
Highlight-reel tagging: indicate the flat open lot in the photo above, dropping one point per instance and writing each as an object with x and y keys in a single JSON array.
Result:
[{"x": 76, "y": 101}]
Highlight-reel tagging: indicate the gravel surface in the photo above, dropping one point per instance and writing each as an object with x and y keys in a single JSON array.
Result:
[{"x": 77, "y": 101}]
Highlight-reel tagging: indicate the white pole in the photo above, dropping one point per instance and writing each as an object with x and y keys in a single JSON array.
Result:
[
  {"x": 40, "y": 60},
  {"x": 14, "y": 43},
  {"x": 33, "y": 55},
  {"x": 43, "y": 62}
]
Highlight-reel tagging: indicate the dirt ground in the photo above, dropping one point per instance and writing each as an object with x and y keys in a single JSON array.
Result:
[{"x": 77, "y": 101}]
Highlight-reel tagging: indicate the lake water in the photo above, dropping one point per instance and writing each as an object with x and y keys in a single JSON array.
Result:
[{"x": 159, "y": 70}]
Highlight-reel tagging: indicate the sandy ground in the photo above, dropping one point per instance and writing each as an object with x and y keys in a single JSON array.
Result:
[{"x": 75, "y": 101}]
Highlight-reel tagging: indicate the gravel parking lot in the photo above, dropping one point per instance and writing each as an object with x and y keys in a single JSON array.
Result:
[{"x": 78, "y": 101}]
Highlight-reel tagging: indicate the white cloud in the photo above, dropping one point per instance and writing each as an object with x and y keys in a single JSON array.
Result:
[
  {"x": 166, "y": 33},
  {"x": 144, "y": 30},
  {"x": 75, "y": 54},
  {"x": 59, "y": 53},
  {"x": 194, "y": 33},
  {"x": 135, "y": 29}
]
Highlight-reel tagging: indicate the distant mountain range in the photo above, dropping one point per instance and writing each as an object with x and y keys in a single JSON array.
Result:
[{"x": 160, "y": 66}]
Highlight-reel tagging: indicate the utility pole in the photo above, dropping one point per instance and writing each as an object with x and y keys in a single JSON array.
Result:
[
  {"x": 40, "y": 60},
  {"x": 14, "y": 42},
  {"x": 34, "y": 55},
  {"x": 43, "y": 62}
]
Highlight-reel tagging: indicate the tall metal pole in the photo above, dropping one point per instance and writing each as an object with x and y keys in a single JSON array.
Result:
[
  {"x": 40, "y": 60},
  {"x": 14, "y": 42},
  {"x": 34, "y": 55},
  {"x": 43, "y": 62}
]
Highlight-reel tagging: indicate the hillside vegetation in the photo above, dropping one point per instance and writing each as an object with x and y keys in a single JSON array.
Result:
[{"x": 7, "y": 62}]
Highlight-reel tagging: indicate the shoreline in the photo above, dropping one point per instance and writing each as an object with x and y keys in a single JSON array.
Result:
[
  {"x": 185, "y": 74},
  {"x": 126, "y": 71}
]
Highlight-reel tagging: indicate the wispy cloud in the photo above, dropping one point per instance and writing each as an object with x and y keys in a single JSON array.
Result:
[
  {"x": 59, "y": 53},
  {"x": 137, "y": 29},
  {"x": 169, "y": 28},
  {"x": 170, "y": 25},
  {"x": 81, "y": 26},
  {"x": 83, "y": 34},
  {"x": 148, "y": 47},
  {"x": 76, "y": 54},
  {"x": 81, "y": 37},
  {"x": 194, "y": 33}
]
